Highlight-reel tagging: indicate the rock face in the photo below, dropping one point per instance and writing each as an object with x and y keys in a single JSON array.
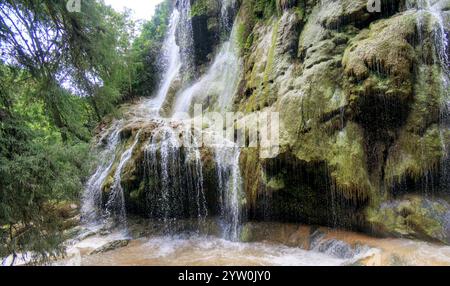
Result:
[
  {"x": 360, "y": 97},
  {"x": 414, "y": 216},
  {"x": 113, "y": 245},
  {"x": 361, "y": 100}
]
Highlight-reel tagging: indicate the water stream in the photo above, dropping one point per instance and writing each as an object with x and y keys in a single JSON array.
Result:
[
  {"x": 115, "y": 206},
  {"x": 218, "y": 85},
  {"x": 174, "y": 178},
  {"x": 92, "y": 199},
  {"x": 171, "y": 55}
]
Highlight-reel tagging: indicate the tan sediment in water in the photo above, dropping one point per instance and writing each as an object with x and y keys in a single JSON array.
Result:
[{"x": 265, "y": 244}]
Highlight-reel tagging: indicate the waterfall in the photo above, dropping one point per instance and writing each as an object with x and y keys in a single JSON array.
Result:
[
  {"x": 220, "y": 82},
  {"x": 172, "y": 168},
  {"x": 217, "y": 88},
  {"x": 115, "y": 206},
  {"x": 185, "y": 37},
  {"x": 435, "y": 10},
  {"x": 230, "y": 188},
  {"x": 227, "y": 11},
  {"x": 174, "y": 178},
  {"x": 172, "y": 57},
  {"x": 91, "y": 209}
]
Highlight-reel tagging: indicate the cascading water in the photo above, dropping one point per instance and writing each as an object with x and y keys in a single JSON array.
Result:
[
  {"x": 185, "y": 37},
  {"x": 172, "y": 169},
  {"x": 172, "y": 57},
  {"x": 227, "y": 14},
  {"x": 230, "y": 187},
  {"x": 115, "y": 206},
  {"x": 219, "y": 84},
  {"x": 92, "y": 199},
  {"x": 174, "y": 178}
]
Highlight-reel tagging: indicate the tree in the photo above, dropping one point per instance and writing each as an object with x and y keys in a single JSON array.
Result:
[{"x": 67, "y": 53}]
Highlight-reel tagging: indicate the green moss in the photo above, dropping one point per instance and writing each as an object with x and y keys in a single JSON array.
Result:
[
  {"x": 241, "y": 37},
  {"x": 271, "y": 55},
  {"x": 413, "y": 155},
  {"x": 265, "y": 9},
  {"x": 275, "y": 183},
  {"x": 380, "y": 60},
  {"x": 251, "y": 167},
  {"x": 300, "y": 12},
  {"x": 264, "y": 94},
  {"x": 199, "y": 8},
  {"x": 348, "y": 161},
  {"x": 412, "y": 216}
]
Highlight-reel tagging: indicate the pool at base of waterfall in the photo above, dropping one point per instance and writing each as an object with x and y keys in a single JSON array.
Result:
[{"x": 261, "y": 244}]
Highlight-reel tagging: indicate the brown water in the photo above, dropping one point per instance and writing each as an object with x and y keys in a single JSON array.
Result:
[
  {"x": 207, "y": 251},
  {"x": 268, "y": 244}
]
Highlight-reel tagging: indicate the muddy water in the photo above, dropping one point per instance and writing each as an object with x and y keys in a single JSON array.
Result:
[
  {"x": 262, "y": 244},
  {"x": 207, "y": 251}
]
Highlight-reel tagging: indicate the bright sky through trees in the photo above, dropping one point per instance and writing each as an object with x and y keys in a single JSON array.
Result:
[{"x": 142, "y": 9}]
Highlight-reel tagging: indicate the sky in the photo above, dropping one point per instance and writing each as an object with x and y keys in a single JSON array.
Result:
[{"x": 143, "y": 9}]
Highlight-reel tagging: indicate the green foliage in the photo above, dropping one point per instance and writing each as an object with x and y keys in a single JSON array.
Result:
[
  {"x": 264, "y": 9},
  {"x": 145, "y": 51},
  {"x": 36, "y": 170},
  {"x": 200, "y": 7},
  {"x": 73, "y": 69},
  {"x": 68, "y": 53}
]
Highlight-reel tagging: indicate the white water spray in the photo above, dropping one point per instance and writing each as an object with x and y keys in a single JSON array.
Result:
[
  {"x": 115, "y": 206},
  {"x": 219, "y": 85}
]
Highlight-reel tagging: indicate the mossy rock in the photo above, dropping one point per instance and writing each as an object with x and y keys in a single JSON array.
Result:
[{"x": 413, "y": 216}]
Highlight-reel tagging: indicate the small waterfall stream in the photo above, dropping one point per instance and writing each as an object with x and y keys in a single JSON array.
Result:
[
  {"x": 174, "y": 178},
  {"x": 184, "y": 35},
  {"x": 92, "y": 199},
  {"x": 227, "y": 14},
  {"x": 171, "y": 55},
  {"x": 219, "y": 83},
  {"x": 230, "y": 187},
  {"x": 115, "y": 206},
  {"x": 430, "y": 12}
]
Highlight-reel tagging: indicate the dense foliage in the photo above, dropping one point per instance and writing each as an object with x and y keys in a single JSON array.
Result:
[
  {"x": 146, "y": 52},
  {"x": 61, "y": 72}
]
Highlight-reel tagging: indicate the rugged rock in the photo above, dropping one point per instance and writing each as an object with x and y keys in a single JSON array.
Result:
[
  {"x": 359, "y": 107},
  {"x": 413, "y": 216},
  {"x": 113, "y": 245}
]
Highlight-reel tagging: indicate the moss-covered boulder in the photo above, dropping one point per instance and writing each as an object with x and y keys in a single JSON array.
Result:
[{"x": 413, "y": 216}]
